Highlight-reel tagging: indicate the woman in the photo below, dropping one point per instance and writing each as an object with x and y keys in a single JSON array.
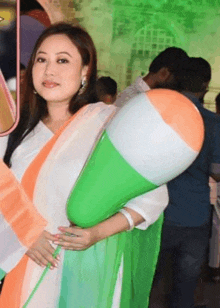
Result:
[{"x": 47, "y": 152}]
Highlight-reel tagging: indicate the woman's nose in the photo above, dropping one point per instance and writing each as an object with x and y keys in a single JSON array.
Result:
[{"x": 50, "y": 69}]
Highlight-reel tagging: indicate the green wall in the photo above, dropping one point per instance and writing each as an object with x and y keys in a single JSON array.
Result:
[{"x": 129, "y": 34}]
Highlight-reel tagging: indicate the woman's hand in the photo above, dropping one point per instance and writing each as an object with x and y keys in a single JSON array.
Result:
[
  {"x": 41, "y": 251},
  {"x": 75, "y": 238}
]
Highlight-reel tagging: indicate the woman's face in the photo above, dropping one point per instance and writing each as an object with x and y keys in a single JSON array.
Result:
[{"x": 58, "y": 70}]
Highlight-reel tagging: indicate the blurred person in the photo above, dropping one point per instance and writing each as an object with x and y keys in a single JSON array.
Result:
[
  {"x": 214, "y": 251},
  {"x": 186, "y": 230},
  {"x": 217, "y": 104},
  {"x": 8, "y": 56},
  {"x": 163, "y": 73},
  {"x": 22, "y": 72},
  {"x": 106, "y": 89},
  {"x": 45, "y": 11},
  {"x": 195, "y": 77},
  {"x": 34, "y": 9},
  {"x": 33, "y": 22},
  {"x": 36, "y": 16}
]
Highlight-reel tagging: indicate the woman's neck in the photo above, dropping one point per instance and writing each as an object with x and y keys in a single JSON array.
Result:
[{"x": 58, "y": 114}]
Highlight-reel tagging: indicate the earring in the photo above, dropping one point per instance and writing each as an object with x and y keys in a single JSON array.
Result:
[
  {"x": 35, "y": 92},
  {"x": 83, "y": 86}
]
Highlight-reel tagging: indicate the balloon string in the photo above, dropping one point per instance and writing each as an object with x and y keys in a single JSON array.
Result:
[{"x": 56, "y": 252}]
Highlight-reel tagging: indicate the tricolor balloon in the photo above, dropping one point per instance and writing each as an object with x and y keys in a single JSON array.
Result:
[{"x": 150, "y": 141}]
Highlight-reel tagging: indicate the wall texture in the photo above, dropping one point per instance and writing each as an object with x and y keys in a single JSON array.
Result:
[{"x": 128, "y": 34}]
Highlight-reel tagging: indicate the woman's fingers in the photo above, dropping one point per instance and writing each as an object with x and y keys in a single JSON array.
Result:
[
  {"x": 68, "y": 238},
  {"x": 38, "y": 257},
  {"x": 69, "y": 241},
  {"x": 72, "y": 246},
  {"x": 72, "y": 230},
  {"x": 41, "y": 251},
  {"x": 42, "y": 257},
  {"x": 49, "y": 258},
  {"x": 75, "y": 238},
  {"x": 49, "y": 248},
  {"x": 34, "y": 258},
  {"x": 49, "y": 236}
]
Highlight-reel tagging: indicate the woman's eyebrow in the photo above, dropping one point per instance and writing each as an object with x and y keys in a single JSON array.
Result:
[
  {"x": 63, "y": 52},
  {"x": 41, "y": 52}
]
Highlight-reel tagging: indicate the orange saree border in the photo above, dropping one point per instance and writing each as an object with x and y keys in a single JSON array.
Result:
[
  {"x": 13, "y": 198},
  {"x": 12, "y": 288}
]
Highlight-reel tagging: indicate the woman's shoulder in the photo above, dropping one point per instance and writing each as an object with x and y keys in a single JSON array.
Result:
[
  {"x": 100, "y": 109},
  {"x": 101, "y": 106}
]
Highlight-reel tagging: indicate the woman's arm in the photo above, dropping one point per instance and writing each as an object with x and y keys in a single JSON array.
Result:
[
  {"x": 144, "y": 210},
  {"x": 150, "y": 205},
  {"x": 80, "y": 239}
]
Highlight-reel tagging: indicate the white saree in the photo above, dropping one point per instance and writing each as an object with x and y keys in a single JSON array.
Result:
[{"x": 53, "y": 186}]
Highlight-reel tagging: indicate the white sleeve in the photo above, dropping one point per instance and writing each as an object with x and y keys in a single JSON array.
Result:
[
  {"x": 150, "y": 205},
  {"x": 3, "y": 145},
  {"x": 126, "y": 95}
]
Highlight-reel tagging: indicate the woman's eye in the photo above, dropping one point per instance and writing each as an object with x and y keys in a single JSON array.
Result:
[
  {"x": 41, "y": 60},
  {"x": 63, "y": 61}
]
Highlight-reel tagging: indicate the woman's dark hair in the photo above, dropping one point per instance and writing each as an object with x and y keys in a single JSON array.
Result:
[{"x": 34, "y": 107}]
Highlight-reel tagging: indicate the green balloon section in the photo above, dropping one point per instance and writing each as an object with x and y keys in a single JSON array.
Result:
[{"x": 105, "y": 185}]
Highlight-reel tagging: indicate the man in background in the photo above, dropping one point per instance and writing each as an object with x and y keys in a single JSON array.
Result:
[
  {"x": 106, "y": 90},
  {"x": 217, "y": 104},
  {"x": 187, "y": 221},
  {"x": 214, "y": 249},
  {"x": 163, "y": 73}
]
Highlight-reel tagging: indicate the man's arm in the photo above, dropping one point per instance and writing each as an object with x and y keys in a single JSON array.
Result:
[
  {"x": 215, "y": 172},
  {"x": 215, "y": 166}
]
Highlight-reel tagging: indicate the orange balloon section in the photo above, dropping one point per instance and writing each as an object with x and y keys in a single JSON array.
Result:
[{"x": 180, "y": 114}]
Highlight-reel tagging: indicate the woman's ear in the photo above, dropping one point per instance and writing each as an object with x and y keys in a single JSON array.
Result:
[{"x": 85, "y": 72}]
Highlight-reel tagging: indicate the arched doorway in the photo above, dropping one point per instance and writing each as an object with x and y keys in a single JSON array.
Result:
[{"x": 147, "y": 43}]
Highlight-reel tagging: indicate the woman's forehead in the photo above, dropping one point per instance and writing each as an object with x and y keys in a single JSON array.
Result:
[{"x": 58, "y": 42}]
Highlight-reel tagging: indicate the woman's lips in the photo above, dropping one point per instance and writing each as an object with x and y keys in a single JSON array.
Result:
[{"x": 50, "y": 84}]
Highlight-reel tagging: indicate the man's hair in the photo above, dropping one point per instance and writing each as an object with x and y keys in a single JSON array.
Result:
[
  {"x": 217, "y": 101},
  {"x": 106, "y": 85},
  {"x": 195, "y": 75},
  {"x": 172, "y": 58}
]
